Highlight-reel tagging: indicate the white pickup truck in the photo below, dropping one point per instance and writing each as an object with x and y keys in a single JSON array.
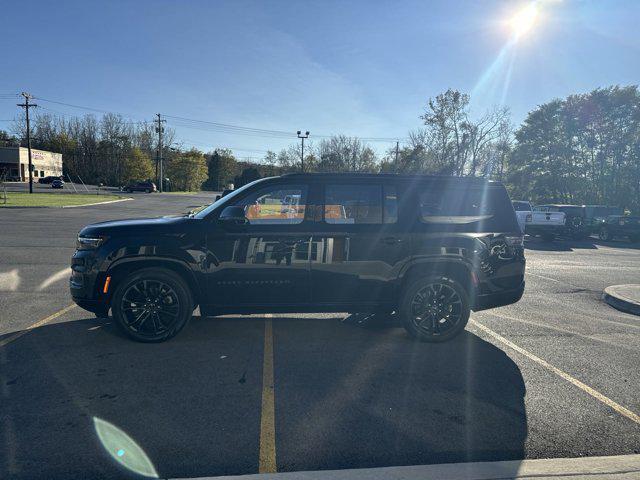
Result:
[{"x": 545, "y": 224}]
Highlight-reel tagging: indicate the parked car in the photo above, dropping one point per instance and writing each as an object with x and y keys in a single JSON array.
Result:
[
  {"x": 428, "y": 248},
  {"x": 57, "y": 183},
  {"x": 581, "y": 220},
  {"x": 575, "y": 225},
  {"x": 49, "y": 179},
  {"x": 620, "y": 226},
  {"x": 547, "y": 225},
  {"x": 595, "y": 216},
  {"x": 146, "y": 187}
]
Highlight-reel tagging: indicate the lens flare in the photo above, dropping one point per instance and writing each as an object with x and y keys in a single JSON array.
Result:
[
  {"x": 524, "y": 20},
  {"x": 124, "y": 449}
]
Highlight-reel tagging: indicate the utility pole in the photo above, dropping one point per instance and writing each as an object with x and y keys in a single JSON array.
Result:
[
  {"x": 26, "y": 105},
  {"x": 397, "y": 147},
  {"x": 160, "y": 131},
  {"x": 302, "y": 137}
]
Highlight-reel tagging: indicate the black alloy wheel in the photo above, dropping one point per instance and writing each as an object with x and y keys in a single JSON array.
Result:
[
  {"x": 152, "y": 305},
  {"x": 604, "y": 234},
  {"x": 435, "y": 309}
]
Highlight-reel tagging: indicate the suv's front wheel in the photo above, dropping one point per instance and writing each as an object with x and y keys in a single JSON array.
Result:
[
  {"x": 434, "y": 309},
  {"x": 152, "y": 305}
]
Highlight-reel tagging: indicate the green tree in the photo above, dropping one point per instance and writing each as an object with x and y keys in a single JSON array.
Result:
[
  {"x": 136, "y": 166},
  {"x": 188, "y": 171},
  {"x": 248, "y": 175},
  {"x": 221, "y": 168},
  {"x": 583, "y": 149},
  {"x": 8, "y": 140}
]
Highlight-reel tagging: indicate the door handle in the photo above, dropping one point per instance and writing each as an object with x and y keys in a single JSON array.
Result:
[{"x": 391, "y": 240}]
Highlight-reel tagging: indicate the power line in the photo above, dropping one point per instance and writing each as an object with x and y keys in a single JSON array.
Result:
[{"x": 219, "y": 127}]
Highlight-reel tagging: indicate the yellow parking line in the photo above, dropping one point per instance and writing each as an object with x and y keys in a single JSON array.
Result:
[
  {"x": 39, "y": 323},
  {"x": 267, "y": 462},
  {"x": 586, "y": 388}
]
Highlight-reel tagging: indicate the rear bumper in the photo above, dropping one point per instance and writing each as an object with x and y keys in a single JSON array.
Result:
[
  {"x": 542, "y": 229},
  {"x": 500, "y": 299}
]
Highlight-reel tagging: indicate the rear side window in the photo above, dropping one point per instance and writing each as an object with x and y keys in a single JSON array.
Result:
[
  {"x": 353, "y": 204},
  {"x": 360, "y": 204},
  {"x": 487, "y": 207}
]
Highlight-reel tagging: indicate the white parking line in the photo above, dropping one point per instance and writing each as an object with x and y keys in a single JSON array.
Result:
[
  {"x": 559, "y": 329},
  {"x": 543, "y": 363}
]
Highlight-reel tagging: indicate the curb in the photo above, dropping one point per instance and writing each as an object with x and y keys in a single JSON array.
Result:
[
  {"x": 621, "y": 302},
  {"x": 69, "y": 206},
  {"x": 622, "y": 467}
]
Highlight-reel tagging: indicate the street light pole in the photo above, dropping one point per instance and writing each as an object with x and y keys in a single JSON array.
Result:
[{"x": 302, "y": 137}]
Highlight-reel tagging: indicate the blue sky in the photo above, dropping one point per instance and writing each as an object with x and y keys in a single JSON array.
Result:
[{"x": 360, "y": 68}]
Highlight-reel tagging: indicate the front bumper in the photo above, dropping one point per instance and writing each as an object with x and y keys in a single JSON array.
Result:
[{"x": 84, "y": 281}]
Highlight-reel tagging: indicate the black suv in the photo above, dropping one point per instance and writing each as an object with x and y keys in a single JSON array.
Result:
[{"x": 429, "y": 249}]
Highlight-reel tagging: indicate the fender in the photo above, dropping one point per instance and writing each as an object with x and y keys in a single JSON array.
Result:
[{"x": 157, "y": 260}]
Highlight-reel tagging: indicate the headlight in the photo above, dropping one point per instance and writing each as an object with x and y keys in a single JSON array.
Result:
[{"x": 89, "y": 243}]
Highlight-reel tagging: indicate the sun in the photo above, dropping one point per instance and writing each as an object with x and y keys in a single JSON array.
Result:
[{"x": 524, "y": 20}]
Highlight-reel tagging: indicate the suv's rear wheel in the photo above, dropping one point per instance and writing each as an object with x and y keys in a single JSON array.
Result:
[
  {"x": 152, "y": 305},
  {"x": 434, "y": 309},
  {"x": 604, "y": 234}
]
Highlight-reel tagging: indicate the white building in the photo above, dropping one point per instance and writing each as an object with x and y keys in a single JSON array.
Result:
[{"x": 14, "y": 162}]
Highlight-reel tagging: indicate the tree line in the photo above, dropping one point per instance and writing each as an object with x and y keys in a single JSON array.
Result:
[{"x": 581, "y": 149}]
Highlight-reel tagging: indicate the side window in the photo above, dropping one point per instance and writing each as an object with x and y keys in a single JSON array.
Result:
[
  {"x": 276, "y": 205},
  {"x": 353, "y": 204},
  {"x": 454, "y": 205}
]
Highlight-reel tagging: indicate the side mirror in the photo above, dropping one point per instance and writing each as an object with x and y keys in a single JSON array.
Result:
[
  {"x": 233, "y": 215},
  {"x": 218, "y": 197}
]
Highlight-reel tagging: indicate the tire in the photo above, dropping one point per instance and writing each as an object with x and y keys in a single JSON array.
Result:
[
  {"x": 548, "y": 237},
  {"x": 604, "y": 234},
  {"x": 426, "y": 327},
  {"x": 152, "y": 305},
  {"x": 147, "y": 191}
]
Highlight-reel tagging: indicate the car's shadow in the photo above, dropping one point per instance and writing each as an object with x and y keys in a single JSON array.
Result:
[{"x": 75, "y": 395}]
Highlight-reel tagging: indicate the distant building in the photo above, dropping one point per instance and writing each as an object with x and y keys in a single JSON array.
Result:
[{"x": 14, "y": 163}]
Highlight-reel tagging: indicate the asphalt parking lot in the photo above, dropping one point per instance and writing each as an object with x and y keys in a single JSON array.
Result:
[{"x": 555, "y": 375}]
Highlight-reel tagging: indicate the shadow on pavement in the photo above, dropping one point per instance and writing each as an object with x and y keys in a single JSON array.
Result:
[
  {"x": 354, "y": 397},
  {"x": 346, "y": 397}
]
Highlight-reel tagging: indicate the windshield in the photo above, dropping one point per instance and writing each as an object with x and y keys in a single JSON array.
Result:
[{"x": 222, "y": 200}]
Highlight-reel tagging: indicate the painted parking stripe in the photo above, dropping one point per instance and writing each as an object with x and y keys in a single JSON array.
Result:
[
  {"x": 625, "y": 412},
  {"x": 267, "y": 460},
  {"x": 39, "y": 323}
]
